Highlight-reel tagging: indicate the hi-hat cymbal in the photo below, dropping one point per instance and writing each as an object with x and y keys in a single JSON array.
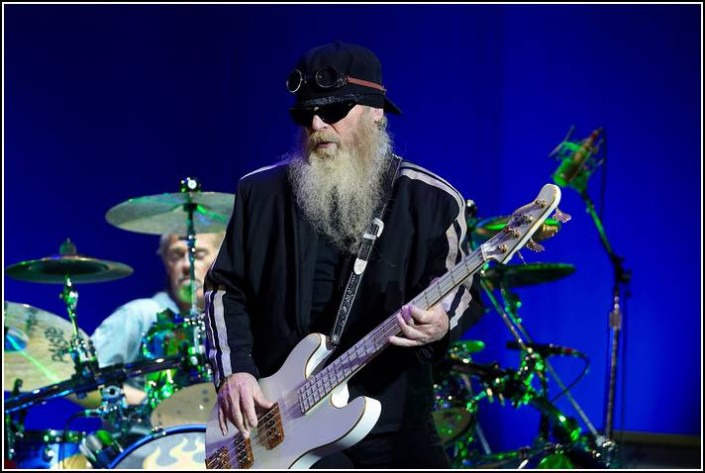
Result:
[
  {"x": 486, "y": 229},
  {"x": 166, "y": 213},
  {"x": 526, "y": 274},
  {"x": 35, "y": 344},
  {"x": 80, "y": 269}
]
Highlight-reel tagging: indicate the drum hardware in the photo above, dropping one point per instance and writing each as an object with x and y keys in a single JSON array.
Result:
[
  {"x": 503, "y": 278},
  {"x": 44, "y": 449},
  {"x": 509, "y": 313},
  {"x": 67, "y": 268},
  {"x": 556, "y": 430},
  {"x": 454, "y": 412},
  {"x": 115, "y": 374},
  {"x": 100, "y": 448}
]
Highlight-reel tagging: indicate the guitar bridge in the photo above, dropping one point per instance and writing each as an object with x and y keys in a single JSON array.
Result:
[{"x": 219, "y": 460}]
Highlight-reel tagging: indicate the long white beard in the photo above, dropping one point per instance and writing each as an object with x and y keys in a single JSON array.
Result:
[{"x": 339, "y": 191}]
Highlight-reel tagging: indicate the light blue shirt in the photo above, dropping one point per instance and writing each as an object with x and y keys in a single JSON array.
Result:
[{"x": 118, "y": 339}]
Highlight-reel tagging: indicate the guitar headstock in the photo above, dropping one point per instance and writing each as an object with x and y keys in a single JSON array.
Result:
[{"x": 522, "y": 225}]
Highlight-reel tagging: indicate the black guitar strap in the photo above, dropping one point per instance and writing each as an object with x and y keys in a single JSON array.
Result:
[{"x": 374, "y": 230}]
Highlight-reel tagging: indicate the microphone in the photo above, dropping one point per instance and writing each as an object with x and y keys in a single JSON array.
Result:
[
  {"x": 572, "y": 171},
  {"x": 546, "y": 349}
]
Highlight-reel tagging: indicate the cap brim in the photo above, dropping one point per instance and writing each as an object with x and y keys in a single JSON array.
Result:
[{"x": 390, "y": 107}]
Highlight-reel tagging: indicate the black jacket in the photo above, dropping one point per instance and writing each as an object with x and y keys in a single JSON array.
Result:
[{"x": 259, "y": 290}]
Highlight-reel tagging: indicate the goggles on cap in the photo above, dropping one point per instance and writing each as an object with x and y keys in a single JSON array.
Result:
[
  {"x": 330, "y": 113},
  {"x": 326, "y": 78}
]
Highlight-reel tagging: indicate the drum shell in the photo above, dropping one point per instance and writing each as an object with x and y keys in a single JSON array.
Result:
[
  {"x": 174, "y": 338},
  {"x": 181, "y": 447},
  {"x": 49, "y": 449}
]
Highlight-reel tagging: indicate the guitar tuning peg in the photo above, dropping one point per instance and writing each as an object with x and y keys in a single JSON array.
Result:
[
  {"x": 560, "y": 216},
  {"x": 533, "y": 246}
]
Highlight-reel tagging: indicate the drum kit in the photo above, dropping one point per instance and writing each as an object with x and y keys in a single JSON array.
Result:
[
  {"x": 48, "y": 357},
  {"x": 462, "y": 386}
]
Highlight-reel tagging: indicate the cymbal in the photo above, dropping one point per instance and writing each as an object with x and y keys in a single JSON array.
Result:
[
  {"x": 486, "y": 229},
  {"x": 526, "y": 274},
  {"x": 81, "y": 269},
  {"x": 165, "y": 213},
  {"x": 34, "y": 344}
]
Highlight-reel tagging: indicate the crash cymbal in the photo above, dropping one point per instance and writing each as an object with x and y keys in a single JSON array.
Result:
[
  {"x": 81, "y": 269},
  {"x": 165, "y": 213},
  {"x": 35, "y": 343},
  {"x": 486, "y": 229},
  {"x": 526, "y": 274}
]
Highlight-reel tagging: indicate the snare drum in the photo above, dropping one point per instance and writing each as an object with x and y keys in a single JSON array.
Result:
[
  {"x": 49, "y": 449},
  {"x": 174, "y": 448}
]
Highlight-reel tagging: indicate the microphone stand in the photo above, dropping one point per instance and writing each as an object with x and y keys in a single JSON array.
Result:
[{"x": 622, "y": 277}]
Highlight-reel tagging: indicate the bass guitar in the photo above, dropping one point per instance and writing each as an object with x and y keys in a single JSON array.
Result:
[{"x": 311, "y": 417}]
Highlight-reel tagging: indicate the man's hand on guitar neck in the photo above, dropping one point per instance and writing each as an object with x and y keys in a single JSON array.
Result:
[
  {"x": 421, "y": 327},
  {"x": 238, "y": 398}
]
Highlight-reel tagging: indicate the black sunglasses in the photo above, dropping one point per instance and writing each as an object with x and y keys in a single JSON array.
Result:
[
  {"x": 330, "y": 113},
  {"x": 326, "y": 78}
]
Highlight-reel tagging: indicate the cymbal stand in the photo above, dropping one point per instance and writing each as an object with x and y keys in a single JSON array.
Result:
[
  {"x": 188, "y": 186},
  {"x": 81, "y": 350},
  {"x": 114, "y": 408},
  {"x": 508, "y": 313},
  {"x": 14, "y": 425}
]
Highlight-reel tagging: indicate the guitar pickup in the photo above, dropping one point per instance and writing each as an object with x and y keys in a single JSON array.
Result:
[
  {"x": 243, "y": 450},
  {"x": 273, "y": 431}
]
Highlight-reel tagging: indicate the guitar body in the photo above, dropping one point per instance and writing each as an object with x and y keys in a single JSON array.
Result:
[{"x": 328, "y": 427}]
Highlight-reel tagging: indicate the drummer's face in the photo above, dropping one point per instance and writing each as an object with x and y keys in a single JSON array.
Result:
[{"x": 178, "y": 266}]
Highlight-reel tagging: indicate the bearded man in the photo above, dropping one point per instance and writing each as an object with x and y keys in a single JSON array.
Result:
[{"x": 283, "y": 269}]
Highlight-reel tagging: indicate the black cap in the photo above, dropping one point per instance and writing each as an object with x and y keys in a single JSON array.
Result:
[{"x": 352, "y": 60}]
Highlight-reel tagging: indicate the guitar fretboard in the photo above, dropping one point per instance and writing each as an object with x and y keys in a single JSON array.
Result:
[{"x": 356, "y": 357}]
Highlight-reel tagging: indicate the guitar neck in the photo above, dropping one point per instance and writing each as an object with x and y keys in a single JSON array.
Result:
[{"x": 356, "y": 357}]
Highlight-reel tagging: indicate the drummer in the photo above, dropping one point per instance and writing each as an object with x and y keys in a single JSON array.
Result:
[{"x": 118, "y": 339}]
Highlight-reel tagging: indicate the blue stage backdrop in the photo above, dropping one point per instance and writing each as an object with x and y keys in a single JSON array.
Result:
[{"x": 104, "y": 103}]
